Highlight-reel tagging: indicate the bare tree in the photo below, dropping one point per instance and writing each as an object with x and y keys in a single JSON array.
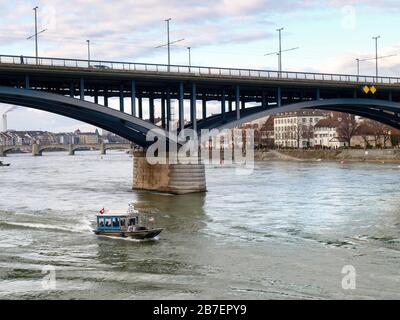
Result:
[{"x": 347, "y": 127}]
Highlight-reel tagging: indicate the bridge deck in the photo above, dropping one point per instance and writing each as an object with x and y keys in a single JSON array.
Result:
[{"x": 112, "y": 70}]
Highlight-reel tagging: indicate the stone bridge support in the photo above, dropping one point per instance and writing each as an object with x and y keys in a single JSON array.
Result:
[
  {"x": 102, "y": 149},
  {"x": 71, "y": 150},
  {"x": 36, "y": 150},
  {"x": 170, "y": 178},
  {"x": 2, "y": 153}
]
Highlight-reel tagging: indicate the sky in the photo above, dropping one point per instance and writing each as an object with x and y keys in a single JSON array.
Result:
[{"x": 330, "y": 35}]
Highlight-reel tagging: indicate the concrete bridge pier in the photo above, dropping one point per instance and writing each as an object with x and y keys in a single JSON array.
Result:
[
  {"x": 71, "y": 151},
  {"x": 169, "y": 178},
  {"x": 2, "y": 153},
  {"x": 102, "y": 149},
  {"x": 36, "y": 150}
]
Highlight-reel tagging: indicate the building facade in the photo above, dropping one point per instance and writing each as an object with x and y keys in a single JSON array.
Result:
[
  {"x": 296, "y": 129},
  {"x": 326, "y": 134}
]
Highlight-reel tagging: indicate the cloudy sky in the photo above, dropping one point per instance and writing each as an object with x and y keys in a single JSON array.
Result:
[{"x": 331, "y": 34}]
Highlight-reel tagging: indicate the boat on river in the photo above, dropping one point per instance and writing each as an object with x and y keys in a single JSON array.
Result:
[
  {"x": 124, "y": 224},
  {"x": 4, "y": 164}
]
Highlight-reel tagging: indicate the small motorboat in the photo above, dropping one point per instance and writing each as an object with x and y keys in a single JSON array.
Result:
[
  {"x": 4, "y": 164},
  {"x": 125, "y": 225}
]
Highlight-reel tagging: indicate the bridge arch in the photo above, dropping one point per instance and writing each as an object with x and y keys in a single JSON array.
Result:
[
  {"x": 5, "y": 149},
  {"x": 386, "y": 112},
  {"x": 129, "y": 127},
  {"x": 50, "y": 147}
]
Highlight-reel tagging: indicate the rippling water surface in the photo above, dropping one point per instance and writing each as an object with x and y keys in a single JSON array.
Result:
[{"x": 285, "y": 231}]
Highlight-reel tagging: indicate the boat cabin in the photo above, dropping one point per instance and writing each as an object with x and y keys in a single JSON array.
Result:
[{"x": 116, "y": 221}]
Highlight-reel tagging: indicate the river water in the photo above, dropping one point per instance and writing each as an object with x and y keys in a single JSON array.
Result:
[{"x": 283, "y": 232}]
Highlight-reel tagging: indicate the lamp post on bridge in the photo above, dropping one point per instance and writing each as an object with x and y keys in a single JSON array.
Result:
[
  {"x": 35, "y": 35},
  {"x": 168, "y": 44},
  {"x": 358, "y": 68},
  {"x": 88, "y": 52},
  {"x": 280, "y": 51},
  {"x": 376, "y": 55},
  {"x": 190, "y": 58}
]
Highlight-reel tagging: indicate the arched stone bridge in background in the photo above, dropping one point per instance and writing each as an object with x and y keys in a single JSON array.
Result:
[
  {"x": 83, "y": 90},
  {"x": 38, "y": 149}
]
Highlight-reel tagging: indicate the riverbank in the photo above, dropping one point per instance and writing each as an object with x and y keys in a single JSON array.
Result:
[{"x": 350, "y": 155}]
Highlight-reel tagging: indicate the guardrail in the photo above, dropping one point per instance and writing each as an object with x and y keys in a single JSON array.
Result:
[{"x": 196, "y": 70}]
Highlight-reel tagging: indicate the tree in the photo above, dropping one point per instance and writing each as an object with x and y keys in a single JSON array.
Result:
[{"x": 347, "y": 126}]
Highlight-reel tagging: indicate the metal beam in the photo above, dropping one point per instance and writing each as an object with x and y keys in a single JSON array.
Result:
[
  {"x": 279, "y": 97},
  {"x": 151, "y": 109},
  {"x": 223, "y": 104},
  {"x": 121, "y": 98},
  {"x": 106, "y": 97},
  {"x": 27, "y": 84},
  {"x": 169, "y": 109},
  {"x": 133, "y": 98},
  {"x": 237, "y": 97},
  {"x": 204, "y": 107},
  {"x": 82, "y": 89},
  {"x": 193, "y": 114},
  {"x": 163, "y": 113},
  {"x": 140, "y": 102},
  {"x": 181, "y": 106}
]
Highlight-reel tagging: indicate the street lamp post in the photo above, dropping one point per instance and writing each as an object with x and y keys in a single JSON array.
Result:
[
  {"x": 168, "y": 43},
  {"x": 358, "y": 67},
  {"x": 88, "y": 52},
  {"x": 280, "y": 50},
  {"x": 190, "y": 58},
  {"x": 376, "y": 55},
  {"x": 36, "y": 35}
]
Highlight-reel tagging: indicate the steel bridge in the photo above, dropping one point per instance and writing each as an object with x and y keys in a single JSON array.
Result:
[{"x": 82, "y": 90}]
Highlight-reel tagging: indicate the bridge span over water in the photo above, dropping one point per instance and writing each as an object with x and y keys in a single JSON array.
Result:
[
  {"x": 82, "y": 90},
  {"x": 38, "y": 149}
]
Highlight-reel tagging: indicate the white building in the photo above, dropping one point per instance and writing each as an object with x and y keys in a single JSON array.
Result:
[
  {"x": 296, "y": 129},
  {"x": 326, "y": 134}
]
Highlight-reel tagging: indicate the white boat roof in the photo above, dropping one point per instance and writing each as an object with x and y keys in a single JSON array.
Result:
[{"x": 116, "y": 213}]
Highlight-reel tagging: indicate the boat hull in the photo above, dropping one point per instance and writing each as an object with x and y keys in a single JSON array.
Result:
[{"x": 139, "y": 235}]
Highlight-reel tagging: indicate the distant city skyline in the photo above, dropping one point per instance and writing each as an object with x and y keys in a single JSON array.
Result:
[{"x": 331, "y": 35}]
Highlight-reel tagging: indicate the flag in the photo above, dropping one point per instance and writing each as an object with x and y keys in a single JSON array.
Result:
[{"x": 102, "y": 211}]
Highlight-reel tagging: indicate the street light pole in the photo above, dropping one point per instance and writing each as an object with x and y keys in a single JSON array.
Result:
[
  {"x": 190, "y": 58},
  {"x": 280, "y": 50},
  {"x": 358, "y": 67},
  {"x": 376, "y": 55},
  {"x": 36, "y": 35},
  {"x": 168, "y": 43},
  {"x": 88, "y": 51}
]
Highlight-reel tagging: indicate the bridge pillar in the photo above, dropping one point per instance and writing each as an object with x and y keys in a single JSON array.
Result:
[
  {"x": 35, "y": 150},
  {"x": 102, "y": 149},
  {"x": 2, "y": 153},
  {"x": 71, "y": 150},
  {"x": 169, "y": 178}
]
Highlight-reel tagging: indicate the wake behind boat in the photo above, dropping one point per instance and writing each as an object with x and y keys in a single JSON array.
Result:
[{"x": 125, "y": 225}]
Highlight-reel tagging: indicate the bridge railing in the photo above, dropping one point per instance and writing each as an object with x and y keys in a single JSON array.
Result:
[{"x": 105, "y": 65}]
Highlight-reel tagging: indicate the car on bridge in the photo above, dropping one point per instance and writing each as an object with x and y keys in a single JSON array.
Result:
[{"x": 100, "y": 67}]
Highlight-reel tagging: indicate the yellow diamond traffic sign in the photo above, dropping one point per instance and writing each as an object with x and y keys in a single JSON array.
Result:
[
  {"x": 373, "y": 89},
  {"x": 366, "y": 89}
]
